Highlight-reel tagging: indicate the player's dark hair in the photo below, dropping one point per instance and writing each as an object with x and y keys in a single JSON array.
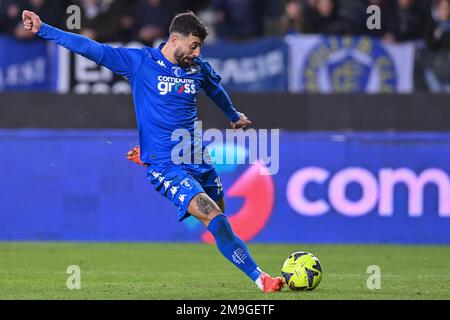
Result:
[{"x": 187, "y": 23}]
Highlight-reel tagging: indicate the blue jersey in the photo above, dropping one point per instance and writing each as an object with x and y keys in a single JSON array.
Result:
[{"x": 164, "y": 94}]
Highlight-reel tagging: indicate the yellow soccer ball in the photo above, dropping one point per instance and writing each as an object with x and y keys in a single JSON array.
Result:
[{"x": 302, "y": 271}]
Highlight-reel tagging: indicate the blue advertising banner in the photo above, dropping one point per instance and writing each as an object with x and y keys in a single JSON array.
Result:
[
  {"x": 330, "y": 187},
  {"x": 250, "y": 66},
  {"x": 302, "y": 63},
  {"x": 27, "y": 65}
]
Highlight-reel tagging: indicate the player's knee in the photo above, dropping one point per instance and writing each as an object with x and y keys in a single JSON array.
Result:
[
  {"x": 205, "y": 220},
  {"x": 203, "y": 208},
  {"x": 211, "y": 217}
]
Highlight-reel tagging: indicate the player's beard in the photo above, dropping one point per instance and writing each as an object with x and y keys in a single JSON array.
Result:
[{"x": 182, "y": 58}]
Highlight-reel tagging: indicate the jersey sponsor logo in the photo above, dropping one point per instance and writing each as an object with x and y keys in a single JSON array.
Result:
[{"x": 179, "y": 85}]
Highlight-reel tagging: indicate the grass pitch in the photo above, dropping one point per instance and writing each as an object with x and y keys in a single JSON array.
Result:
[{"x": 197, "y": 271}]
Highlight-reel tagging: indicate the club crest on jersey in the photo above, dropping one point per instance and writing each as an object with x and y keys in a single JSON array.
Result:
[
  {"x": 186, "y": 183},
  {"x": 176, "y": 71}
]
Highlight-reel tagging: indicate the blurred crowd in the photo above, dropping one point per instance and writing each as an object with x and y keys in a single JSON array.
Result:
[{"x": 236, "y": 20}]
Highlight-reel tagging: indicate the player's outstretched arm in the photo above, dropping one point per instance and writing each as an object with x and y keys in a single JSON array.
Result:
[
  {"x": 219, "y": 96},
  {"x": 123, "y": 61},
  {"x": 71, "y": 41}
]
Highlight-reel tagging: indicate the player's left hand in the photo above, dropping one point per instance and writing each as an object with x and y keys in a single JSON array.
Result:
[
  {"x": 134, "y": 155},
  {"x": 242, "y": 123}
]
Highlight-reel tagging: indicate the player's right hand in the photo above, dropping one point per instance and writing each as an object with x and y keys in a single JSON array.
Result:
[
  {"x": 31, "y": 21},
  {"x": 242, "y": 123}
]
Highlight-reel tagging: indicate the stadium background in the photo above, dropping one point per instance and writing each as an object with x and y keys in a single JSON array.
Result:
[{"x": 363, "y": 115}]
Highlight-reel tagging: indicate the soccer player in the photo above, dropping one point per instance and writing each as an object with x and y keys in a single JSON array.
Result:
[{"x": 165, "y": 83}]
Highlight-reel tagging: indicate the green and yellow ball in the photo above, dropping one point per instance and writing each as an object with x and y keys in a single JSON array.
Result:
[{"x": 302, "y": 271}]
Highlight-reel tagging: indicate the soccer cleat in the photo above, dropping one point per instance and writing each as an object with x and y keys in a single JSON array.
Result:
[
  {"x": 271, "y": 284},
  {"x": 134, "y": 155}
]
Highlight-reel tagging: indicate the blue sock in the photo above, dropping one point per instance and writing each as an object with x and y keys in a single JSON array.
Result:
[{"x": 233, "y": 248}]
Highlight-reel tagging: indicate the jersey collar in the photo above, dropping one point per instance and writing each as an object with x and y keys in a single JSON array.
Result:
[{"x": 164, "y": 58}]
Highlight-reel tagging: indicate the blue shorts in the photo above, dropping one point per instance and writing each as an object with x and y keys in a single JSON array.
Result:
[{"x": 180, "y": 183}]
